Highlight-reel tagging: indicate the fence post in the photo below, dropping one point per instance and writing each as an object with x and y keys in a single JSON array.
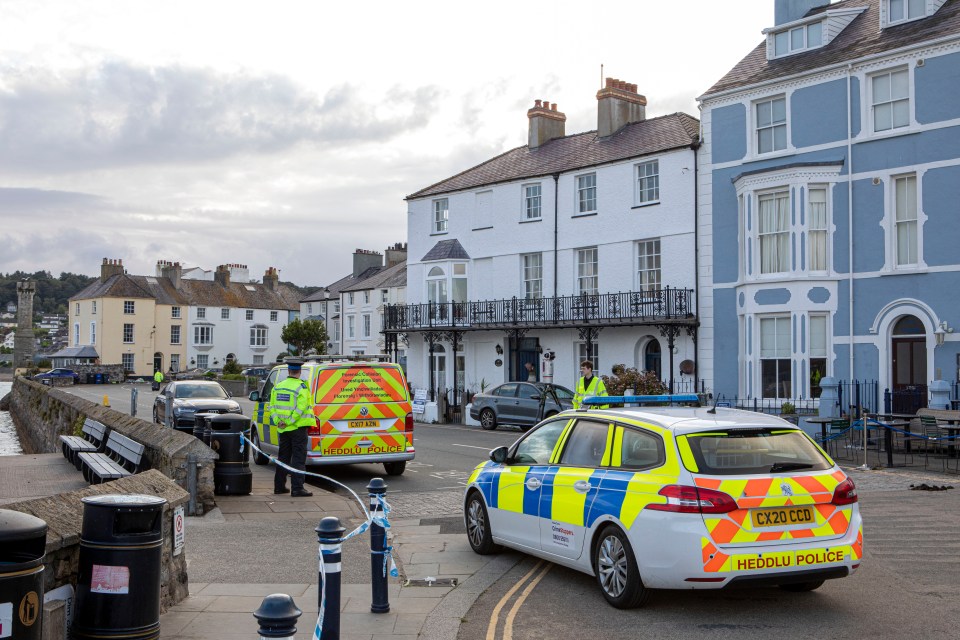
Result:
[
  {"x": 329, "y": 534},
  {"x": 277, "y": 617},
  {"x": 887, "y": 401},
  {"x": 133, "y": 401},
  {"x": 378, "y": 549}
]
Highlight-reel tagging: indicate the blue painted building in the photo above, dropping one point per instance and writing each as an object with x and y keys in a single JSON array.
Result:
[{"x": 829, "y": 202}]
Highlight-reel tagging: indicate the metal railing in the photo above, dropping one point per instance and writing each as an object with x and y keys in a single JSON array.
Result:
[{"x": 627, "y": 308}]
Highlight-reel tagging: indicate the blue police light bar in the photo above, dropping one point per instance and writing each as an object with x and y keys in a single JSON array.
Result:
[{"x": 640, "y": 400}]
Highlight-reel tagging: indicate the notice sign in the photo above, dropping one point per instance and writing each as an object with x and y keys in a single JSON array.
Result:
[
  {"x": 419, "y": 400},
  {"x": 6, "y": 619},
  {"x": 178, "y": 530},
  {"x": 108, "y": 579}
]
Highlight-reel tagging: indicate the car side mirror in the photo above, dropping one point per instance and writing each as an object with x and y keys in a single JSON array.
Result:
[
  {"x": 535, "y": 396},
  {"x": 255, "y": 396},
  {"x": 499, "y": 455}
]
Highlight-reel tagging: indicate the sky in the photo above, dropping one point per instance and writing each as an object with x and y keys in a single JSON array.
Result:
[{"x": 287, "y": 133}]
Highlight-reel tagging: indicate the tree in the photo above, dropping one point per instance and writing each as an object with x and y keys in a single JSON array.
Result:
[{"x": 305, "y": 336}]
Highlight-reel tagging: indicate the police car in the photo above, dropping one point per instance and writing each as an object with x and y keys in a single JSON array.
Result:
[{"x": 669, "y": 497}]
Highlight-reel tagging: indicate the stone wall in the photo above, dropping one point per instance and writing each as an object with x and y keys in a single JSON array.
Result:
[
  {"x": 63, "y": 514},
  {"x": 42, "y": 414}
]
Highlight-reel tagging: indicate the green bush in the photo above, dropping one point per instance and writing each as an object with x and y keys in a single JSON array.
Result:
[
  {"x": 231, "y": 368},
  {"x": 787, "y": 408},
  {"x": 210, "y": 375},
  {"x": 643, "y": 384},
  {"x": 231, "y": 376}
]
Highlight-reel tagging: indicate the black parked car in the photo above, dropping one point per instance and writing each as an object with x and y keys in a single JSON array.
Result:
[
  {"x": 188, "y": 398},
  {"x": 256, "y": 372},
  {"x": 518, "y": 403}
]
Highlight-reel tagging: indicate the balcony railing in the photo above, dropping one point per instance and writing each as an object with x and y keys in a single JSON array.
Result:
[{"x": 603, "y": 309}]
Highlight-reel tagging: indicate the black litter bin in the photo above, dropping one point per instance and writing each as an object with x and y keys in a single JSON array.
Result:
[
  {"x": 231, "y": 472},
  {"x": 23, "y": 540},
  {"x": 91, "y": 378},
  {"x": 201, "y": 428},
  {"x": 118, "y": 581}
]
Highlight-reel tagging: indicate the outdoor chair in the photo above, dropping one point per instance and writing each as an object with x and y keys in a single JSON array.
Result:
[
  {"x": 931, "y": 442},
  {"x": 838, "y": 438}
]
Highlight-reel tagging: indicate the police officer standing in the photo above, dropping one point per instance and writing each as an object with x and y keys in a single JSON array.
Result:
[
  {"x": 588, "y": 385},
  {"x": 291, "y": 411},
  {"x": 157, "y": 380}
]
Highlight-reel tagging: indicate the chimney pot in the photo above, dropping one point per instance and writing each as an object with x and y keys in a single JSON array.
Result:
[
  {"x": 553, "y": 107},
  {"x": 618, "y": 105},
  {"x": 546, "y": 104}
]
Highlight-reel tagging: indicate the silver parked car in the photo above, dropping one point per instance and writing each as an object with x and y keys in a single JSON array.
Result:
[{"x": 518, "y": 403}]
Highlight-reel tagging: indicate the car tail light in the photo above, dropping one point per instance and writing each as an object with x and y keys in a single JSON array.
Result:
[
  {"x": 845, "y": 493},
  {"x": 687, "y": 499},
  {"x": 315, "y": 429}
]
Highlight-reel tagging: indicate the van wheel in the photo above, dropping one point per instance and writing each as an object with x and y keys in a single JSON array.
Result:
[
  {"x": 801, "y": 587},
  {"x": 258, "y": 458},
  {"x": 395, "y": 468},
  {"x": 488, "y": 420},
  {"x": 616, "y": 569}
]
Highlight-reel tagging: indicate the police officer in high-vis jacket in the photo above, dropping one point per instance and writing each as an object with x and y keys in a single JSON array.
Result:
[
  {"x": 291, "y": 409},
  {"x": 588, "y": 385}
]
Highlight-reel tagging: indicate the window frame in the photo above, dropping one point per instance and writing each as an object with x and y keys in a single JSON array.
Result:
[
  {"x": 128, "y": 361},
  {"x": 176, "y": 329},
  {"x": 787, "y": 259},
  {"x": 872, "y": 103},
  {"x": 641, "y": 186},
  {"x": 531, "y": 288},
  {"x": 579, "y": 273},
  {"x": 248, "y": 314},
  {"x": 580, "y": 201},
  {"x": 895, "y": 222},
  {"x": 259, "y": 336},
  {"x": 640, "y": 281},
  {"x": 772, "y": 125},
  {"x": 366, "y": 326},
  {"x": 201, "y": 313},
  {"x": 440, "y": 220},
  {"x": 202, "y": 335},
  {"x": 225, "y": 313},
  {"x": 129, "y": 308},
  {"x": 777, "y": 319},
  {"x": 528, "y": 206},
  {"x": 93, "y": 332},
  {"x": 888, "y": 11},
  {"x": 814, "y": 392},
  {"x": 129, "y": 333},
  {"x": 825, "y": 230},
  {"x": 175, "y": 313},
  {"x": 274, "y": 316}
]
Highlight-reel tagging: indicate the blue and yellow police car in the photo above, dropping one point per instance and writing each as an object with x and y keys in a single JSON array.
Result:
[{"x": 669, "y": 497}]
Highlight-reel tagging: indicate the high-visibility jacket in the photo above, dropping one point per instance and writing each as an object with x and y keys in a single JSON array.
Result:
[
  {"x": 291, "y": 406},
  {"x": 594, "y": 388},
  {"x": 158, "y": 377}
]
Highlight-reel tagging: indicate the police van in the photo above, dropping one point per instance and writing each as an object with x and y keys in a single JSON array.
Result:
[{"x": 361, "y": 405}]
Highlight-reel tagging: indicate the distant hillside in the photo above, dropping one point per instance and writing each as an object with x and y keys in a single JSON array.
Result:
[{"x": 52, "y": 294}]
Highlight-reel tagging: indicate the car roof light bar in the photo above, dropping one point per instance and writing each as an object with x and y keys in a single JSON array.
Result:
[{"x": 668, "y": 399}]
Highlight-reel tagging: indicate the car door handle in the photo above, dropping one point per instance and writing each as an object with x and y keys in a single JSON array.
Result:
[
  {"x": 533, "y": 483},
  {"x": 582, "y": 486}
]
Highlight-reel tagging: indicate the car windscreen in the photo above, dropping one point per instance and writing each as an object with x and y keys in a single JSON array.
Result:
[
  {"x": 563, "y": 393},
  {"x": 754, "y": 451},
  {"x": 200, "y": 391}
]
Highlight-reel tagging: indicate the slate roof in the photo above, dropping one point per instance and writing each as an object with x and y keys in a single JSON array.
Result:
[
  {"x": 382, "y": 279},
  {"x": 574, "y": 152},
  {"x": 862, "y": 37},
  {"x": 87, "y": 351},
  {"x": 446, "y": 250},
  {"x": 203, "y": 293}
]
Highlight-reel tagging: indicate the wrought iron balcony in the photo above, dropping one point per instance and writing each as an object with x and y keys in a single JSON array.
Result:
[{"x": 599, "y": 310}]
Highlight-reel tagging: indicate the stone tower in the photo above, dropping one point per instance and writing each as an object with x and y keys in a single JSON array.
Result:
[{"x": 23, "y": 339}]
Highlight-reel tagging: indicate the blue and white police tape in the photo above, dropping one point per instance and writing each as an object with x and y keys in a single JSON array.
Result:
[{"x": 380, "y": 520}]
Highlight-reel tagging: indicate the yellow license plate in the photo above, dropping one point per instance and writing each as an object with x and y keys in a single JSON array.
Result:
[
  {"x": 363, "y": 424},
  {"x": 783, "y": 517}
]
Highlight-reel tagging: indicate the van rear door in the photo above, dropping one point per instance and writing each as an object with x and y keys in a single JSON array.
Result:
[{"x": 362, "y": 410}]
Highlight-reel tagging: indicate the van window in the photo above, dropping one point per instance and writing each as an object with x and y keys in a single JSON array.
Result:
[
  {"x": 275, "y": 377},
  {"x": 755, "y": 451}
]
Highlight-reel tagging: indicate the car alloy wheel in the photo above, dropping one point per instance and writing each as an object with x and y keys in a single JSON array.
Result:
[
  {"x": 478, "y": 526},
  {"x": 258, "y": 458},
  {"x": 616, "y": 569},
  {"x": 488, "y": 420}
]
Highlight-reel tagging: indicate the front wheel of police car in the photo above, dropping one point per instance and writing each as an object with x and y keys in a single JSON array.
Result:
[
  {"x": 616, "y": 569},
  {"x": 478, "y": 526}
]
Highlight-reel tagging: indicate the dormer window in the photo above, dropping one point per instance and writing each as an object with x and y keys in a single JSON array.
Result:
[
  {"x": 798, "y": 39},
  {"x": 902, "y": 10}
]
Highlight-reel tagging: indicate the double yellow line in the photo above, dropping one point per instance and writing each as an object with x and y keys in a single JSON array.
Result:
[{"x": 540, "y": 569}]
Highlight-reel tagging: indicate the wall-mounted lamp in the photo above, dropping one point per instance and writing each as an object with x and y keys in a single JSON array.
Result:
[
  {"x": 940, "y": 333},
  {"x": 193, "y": 361},
  {"x": 215, "y": 361},
  {"x": 499, "y": 350}
]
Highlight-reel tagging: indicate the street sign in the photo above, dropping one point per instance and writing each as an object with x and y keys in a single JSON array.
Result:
[
  {"x": 178, "y": 530},
  {"x": 419, "y": 400}
]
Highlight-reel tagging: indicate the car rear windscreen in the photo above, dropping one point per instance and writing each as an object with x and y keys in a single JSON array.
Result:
[
  {"x": 755, "y": 451},
  {"x": 351, "y": 385}
]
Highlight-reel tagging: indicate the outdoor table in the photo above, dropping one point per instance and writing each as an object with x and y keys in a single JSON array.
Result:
[
  {"x": 951, "y": 429},
  {"x": 823, "y": 422},
  {"x": 902, "y": 417},
  {"x": 887, "y": 425}
]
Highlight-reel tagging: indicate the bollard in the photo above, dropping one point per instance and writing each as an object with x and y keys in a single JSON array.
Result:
[
  {"x": 106, "y": 400},
  {"x": 133, "y": 401},
  {"x": 277, "y": 616},
  {"x": 329, "y": 534},
  {"x": 378, "y": 549}
]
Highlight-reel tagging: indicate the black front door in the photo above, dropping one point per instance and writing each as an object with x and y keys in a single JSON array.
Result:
[{"x": 909, "y": 374}]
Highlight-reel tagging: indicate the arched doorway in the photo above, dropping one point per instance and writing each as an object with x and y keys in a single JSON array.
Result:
[{"x": 908, "y": 348}]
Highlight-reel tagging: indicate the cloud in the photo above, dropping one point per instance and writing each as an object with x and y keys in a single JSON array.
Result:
[{"x": 117, "y": 114}]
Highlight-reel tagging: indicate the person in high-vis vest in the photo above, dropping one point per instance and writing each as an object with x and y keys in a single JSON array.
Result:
[
  {"x": 291, "y": 410},
  {"x": 157, "y": 380},
  {"x": 588, "y": 385}
]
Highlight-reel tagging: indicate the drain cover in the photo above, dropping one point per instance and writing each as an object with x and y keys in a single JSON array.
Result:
[{"x": 431, "y": 582}]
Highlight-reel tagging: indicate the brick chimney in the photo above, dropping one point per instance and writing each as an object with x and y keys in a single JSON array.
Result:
[
  {"x": 110, "y": 268},
  {"x": 222, "y": 276},
  {"x": 546, "y": 123},
  {"x": 363, "y": 259},
  {"x": 396, "y": 254},
  {"x": 619, "y": 104},
  {"x": 172, "y": 271},
  {"x": 271, "y": 279}
]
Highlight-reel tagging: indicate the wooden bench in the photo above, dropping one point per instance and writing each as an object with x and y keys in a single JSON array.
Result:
[
  {"x": 92, "y": 440},
  {"x": 122, "y": 458}
]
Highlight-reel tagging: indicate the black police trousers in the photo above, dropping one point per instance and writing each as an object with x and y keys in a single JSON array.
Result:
[{"x": 293, "y": 452}]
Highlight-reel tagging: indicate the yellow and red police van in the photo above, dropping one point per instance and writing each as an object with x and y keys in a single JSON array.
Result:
[{"x": 361, "y": 405}]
